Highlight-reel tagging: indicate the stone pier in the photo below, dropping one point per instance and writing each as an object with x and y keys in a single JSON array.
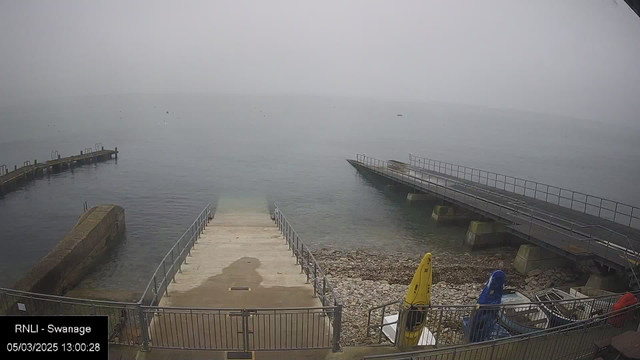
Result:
[
  {"x": 611, "y": 283},
  {"x": 485, "y": 234},
  {"x": 531, "y": 257},
  {"x": 419, "y": 197},
  {"x": 447, "y": 214}
]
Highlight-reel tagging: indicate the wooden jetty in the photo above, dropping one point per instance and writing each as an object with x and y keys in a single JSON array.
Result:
[{"x": 11, "y": 180}]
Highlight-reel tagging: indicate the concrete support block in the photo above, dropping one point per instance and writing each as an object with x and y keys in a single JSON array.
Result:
[
  {"x": 444, "y": 214},
  {"x": 419, "y": 197},
  {"x": 609, "y": 282},
  {"x": 532, "y": 257},
  {"x": 484, "y": 234}
]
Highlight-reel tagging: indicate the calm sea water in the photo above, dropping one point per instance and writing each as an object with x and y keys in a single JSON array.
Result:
[{"x": 290, "y": 150}]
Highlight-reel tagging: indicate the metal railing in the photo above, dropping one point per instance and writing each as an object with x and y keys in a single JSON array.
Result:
[
  {"x": 450, "y": 325},
  {"x": 240, "y": 329},
  {"x": 616, "y": 211},
  {"x": 572, "y": 237},
  {"x": 571, "y": 341},
  {"x": 124, "y": 318},
  {"x": 173, "y": 260},
  {"x": 309, "y": 266}
]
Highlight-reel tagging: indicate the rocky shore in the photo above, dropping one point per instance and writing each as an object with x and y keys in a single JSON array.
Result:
[{"x": 365, "y": 279}]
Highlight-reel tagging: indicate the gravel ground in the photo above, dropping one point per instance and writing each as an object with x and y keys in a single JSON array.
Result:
[{"x": 365, "y": 279}]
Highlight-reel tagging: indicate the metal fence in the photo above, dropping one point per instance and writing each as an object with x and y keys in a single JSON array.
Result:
[
  {"x": 571, "y": 341},
  {"x": 309, "y": 266},
  {"x": 450, "y": 325},
  {"x": 240, "y": 329},
  {"x": 173, "y": 260},
  {"x": 124, "y": 318},
  {"x": 589, "y": 204},
  {"x": 574, "y": 238}
]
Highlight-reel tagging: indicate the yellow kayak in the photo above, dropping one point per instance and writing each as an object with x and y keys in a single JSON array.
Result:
[{"x": 415, "y": 303}]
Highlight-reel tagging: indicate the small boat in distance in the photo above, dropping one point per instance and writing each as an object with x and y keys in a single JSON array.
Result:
[
  {"x": 399, "y": 115},
  {"x": 524, "y": 318}
]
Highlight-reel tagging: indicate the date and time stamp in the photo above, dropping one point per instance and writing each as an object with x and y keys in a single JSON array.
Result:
[{"x": 44, "y": 336}]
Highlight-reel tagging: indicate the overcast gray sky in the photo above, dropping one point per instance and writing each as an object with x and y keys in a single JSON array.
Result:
[{"x": 577, "y": 58}]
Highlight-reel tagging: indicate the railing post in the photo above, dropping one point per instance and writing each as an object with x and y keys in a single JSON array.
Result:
[
  {"x": 315, "y": 278},
  {"x": 155, "y": 285},
  {"x": 294, "y": 248},
  {"x": 302, "y": 259},
  {"x": 287, "y": 236},
  {"x": 185, "y": 258},
  {"x": 286, "y": 232},
  {"x": 308, "y": 270},
  {"x": 600, "y": 207},
  {"x": 493, "y": 349},
  {"x": 245, "y": 330},
  {"x": 400, "y": 326},
  {"x": 584, "y": 330},
  {"x": 324, "y": 289},
  {"x": 295, "y": 251},
  {"x": 143, "y": 328},
  {"x": 164, "y": 271},
  {"x": 337, "y": 327},
  {"x": 173, "y": 263}
]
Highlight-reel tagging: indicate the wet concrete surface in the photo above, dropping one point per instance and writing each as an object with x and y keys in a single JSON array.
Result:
[{"x": 241, "y": 289}]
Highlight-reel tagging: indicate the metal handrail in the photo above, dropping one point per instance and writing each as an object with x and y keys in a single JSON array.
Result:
[
  {"x": 574, "y": 224},
  {"x": 185, "y": 308},
  {"x": 157, "y": 288},
  {"x": 300, "y": 249},
  {"x": 542, "y": 188},
  {"x": 569, "y": 303},
  {"x": 578, "y": 325},
  {"x": 312, "y": 269},
  {"x": 375, "y": 164}
]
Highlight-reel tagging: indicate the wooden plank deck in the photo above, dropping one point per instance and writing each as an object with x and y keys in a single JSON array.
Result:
[{"x": 10, "y": 180}]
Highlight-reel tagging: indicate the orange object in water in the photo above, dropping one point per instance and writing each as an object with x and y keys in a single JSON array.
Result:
[{"x": 625, "y": 300}]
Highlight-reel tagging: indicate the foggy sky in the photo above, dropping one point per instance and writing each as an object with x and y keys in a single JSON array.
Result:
[{"x": 575, "y": 58}]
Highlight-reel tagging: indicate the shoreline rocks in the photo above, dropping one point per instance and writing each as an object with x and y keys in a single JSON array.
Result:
[{"x": 365, "y": 279}]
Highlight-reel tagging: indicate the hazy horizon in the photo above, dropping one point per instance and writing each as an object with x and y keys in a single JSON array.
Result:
[{"x": 574, "y": 60}]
